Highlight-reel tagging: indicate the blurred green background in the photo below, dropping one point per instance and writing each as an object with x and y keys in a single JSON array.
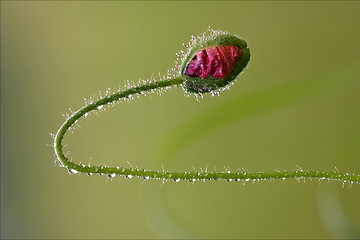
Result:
[{"x": 297, "y": 104}]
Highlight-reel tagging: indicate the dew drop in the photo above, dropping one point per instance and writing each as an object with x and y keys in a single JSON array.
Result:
[
  {"x": 86, "y": 114},
  {"x": 60, "y": 163},
  {"x": 128, "y": 176},
  {"x": 176, "y": 179},
  {"x": 73, "y": 171},
  {"x": 99, "y": 107},
  {"x": 111, "y": 175}
]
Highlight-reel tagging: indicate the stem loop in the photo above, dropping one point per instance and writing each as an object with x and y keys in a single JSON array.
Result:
[{"x": 176, "y": 176}]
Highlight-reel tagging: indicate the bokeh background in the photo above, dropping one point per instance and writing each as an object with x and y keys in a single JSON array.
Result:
[{"x": 296, "y": 105}]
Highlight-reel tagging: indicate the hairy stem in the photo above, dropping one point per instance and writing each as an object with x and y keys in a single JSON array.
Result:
[{"x": 176, "y": 176}]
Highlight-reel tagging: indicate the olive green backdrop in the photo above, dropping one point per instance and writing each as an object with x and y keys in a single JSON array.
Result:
[{"x": 296, "y": 105}]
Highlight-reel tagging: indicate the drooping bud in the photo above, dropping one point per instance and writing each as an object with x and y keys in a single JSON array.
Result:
[{"x": 213, "y": 60}]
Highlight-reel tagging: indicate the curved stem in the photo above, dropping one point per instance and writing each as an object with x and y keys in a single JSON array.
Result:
[{"x": 176, "y": 176}]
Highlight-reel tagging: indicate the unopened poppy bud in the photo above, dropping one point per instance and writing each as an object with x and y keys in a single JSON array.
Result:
[{"x": 212, "y": 61}]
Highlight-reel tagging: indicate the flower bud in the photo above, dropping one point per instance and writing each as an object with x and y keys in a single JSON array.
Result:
[{"x": 212, "y": 61}]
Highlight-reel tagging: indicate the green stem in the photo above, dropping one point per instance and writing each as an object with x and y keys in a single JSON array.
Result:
[{"x": 176, "y": 176}]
